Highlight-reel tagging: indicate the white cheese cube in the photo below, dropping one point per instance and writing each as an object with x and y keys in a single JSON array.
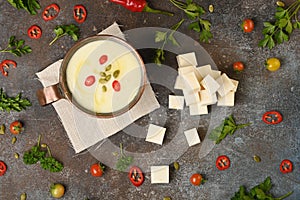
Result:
[
  {"x": 176, "y": 102},
  {"x": 191, "y": 97},
  {"x": 186, "y": 70},
  {"x": 155, "y": 134},
  {"x": 210, "y": 84},
  {"x": 186, "y": 59},
  {"x": 226, "y": 85},
  {"x": 227, "y": 100},
  {"x": 191, "y": 82},
  {"x": 215, "y": 74},
  {"x": 179, "y": 83},
  {"x": 235, "y": 83},
  {"x": 159, "y": 174},
  {"x": 206, "y": 98},
  {"x": 192, "y": 137},
  {"x": 204, "y": 70},
  {"x": 198, "y": 109}
]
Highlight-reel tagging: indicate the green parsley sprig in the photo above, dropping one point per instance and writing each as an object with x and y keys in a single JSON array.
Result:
[
  {"x": 12, "y": 103},
  {"x": 260, "y": 191},
  {"x": 280, "y": 31},
  {"x": 37, "y": 154},
  {"x": 195, "y": 12},
  {"x": 164, "y": 37},
  {"x": 16, "y": 47},
  {"x": 123, "y": 161},
  {"x": 228, "y": 126},
  {"x": 63, "y": 30},
  {"x": 31, "y": 6}
]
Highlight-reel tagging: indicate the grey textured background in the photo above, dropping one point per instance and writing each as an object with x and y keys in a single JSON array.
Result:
[{"x": 259, "y": 91}]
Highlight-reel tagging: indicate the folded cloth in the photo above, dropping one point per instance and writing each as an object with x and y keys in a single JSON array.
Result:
[{"x": 84, "y": 130}]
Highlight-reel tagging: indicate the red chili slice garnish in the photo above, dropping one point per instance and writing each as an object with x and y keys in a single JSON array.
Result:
[
  {"x": 286, "y": 166},
  {"x": 103, "y": 59},
  {"x": 223, "y": 162},
  {"x": 79, "y": 13},
  {"x": 116, "y": 85},
  {"x": 136, "y": 176},
  {"x": 34, "y": 32},
  {"x": 272, "y": 117},
  {"x": 50, "y": 12},
  {"x": 2, "y": 168},
  {"x": 90, "y": 80},
  {"x": 5, "y": 64}
]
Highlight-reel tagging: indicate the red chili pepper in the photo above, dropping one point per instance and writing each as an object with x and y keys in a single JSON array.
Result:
[
  {"x": 136, "y": 176},
  {"x": 34, "y": 32},
  {"x": 50, "y": 12},
  {"x": 5, "y": 64},
  {"x": 272, "y": 117},
  {"x": 2, "y": 168},
  {"x": 223, "y": 162},
  {"x": 286, "y": 166},
  {"x": 139, "y": 6},
  {"x": 79, "y": 13}
]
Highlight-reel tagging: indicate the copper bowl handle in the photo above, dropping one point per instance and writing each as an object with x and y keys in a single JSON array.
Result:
[{"x": 48, "y": 95}]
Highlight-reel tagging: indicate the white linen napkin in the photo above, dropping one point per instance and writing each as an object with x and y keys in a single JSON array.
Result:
[{"x": 84, "y": 130}]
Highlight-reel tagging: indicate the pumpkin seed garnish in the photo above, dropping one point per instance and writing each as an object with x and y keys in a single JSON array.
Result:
[
  {"x": 104, "y": 88},
  {"x": 176, "y": 166},
  {"x": 2, "y": 129},
  {"x": 116, "y": 73},
  {"x": 211, "y": 8},
  {"x": 256, "y": 158},
  {"x": 13, "y": 140},
  {"x": 108, "y": 68},
  {"x": 280, "y": 4},
  {"x": 108, "y": 77},
  {"x": 102, "y": 80},
  {"x": 16, "y": 155},
  {"x": 23, "y": 196},
  {"x": 103, "y": 74}
]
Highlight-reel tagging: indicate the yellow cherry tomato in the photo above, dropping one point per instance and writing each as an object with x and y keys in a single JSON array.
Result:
[{"x": 273, "y": 64}]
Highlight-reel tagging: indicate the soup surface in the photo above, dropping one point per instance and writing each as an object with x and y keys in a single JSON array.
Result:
[{"x": 104, "y": 76}]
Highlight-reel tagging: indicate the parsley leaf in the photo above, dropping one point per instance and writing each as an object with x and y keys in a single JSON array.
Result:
[
  {"x": 286, "y": 20},
  {"x": 16, "y": 47},
  {"x": 12, "y": 103},
  {"x": 123, "y": 161},
  {"x": 63, "y": 30},
  {"x": 31, "y": 6},
  {"x": 228, "y": 126}
]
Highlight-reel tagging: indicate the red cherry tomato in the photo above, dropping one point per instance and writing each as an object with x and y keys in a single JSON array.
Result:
[
  {"x": 103, "y": 59},
  {"x": 2, "y": 168},
  {"x": 222, "y": 162},
  {"x": 248, "y": 25},
  {"x": 90, "y": 80},
  {"x": 272, "y": 117},
  {"x": 196, "y": 179},
  {"x": 50, "y": 12},
  {"x": 238, "y": 66},
  {"x": 16, "y": 127},
  {"x": 286, "y": 166},
  {"x": 116, "y": 85},
  {"x": 34, "y": 32},
  {"x": 79, "y": 13},
  {"x": 136, "y": 176},
  {"x": 96, "y": 169}
]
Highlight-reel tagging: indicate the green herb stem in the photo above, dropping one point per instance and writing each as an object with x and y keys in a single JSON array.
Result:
[
  {"x": 284, "y": 196},
  {"x": 56, "y": 38}
]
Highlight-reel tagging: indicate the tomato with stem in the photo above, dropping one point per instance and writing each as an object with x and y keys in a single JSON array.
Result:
[
  {"x": 196, "y": 179},
  {"x": 272, "y": 64},
  {"x": 57, "y": 190},
  {"x": 238, "y": 66},
  {"x": 97, "y": 169},
  {"x": 16, "y": 127}
]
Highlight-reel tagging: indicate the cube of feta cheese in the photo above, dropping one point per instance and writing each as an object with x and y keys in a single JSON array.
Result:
[
  {"x": 159, "y": 174},
  {"x": 187, "y": 59},
  {"x": 155, "y": 134},
  {"x": 176, "y": 102},
  {"x": 186, "y": 70},
  {"x": 191, "y": 82},
  {"x": 179, "y": 83},
  {"x": 192, "y": 137},
  {"x": 198, "y": 109},
  {"x": 227, "y": 100},
  {"x": 226, "y": 85},
  {"x": 206, "y": 98},
  {"x": 204, "y": 70},
  {"x": 235, "y": 83},
  {"x": 191, "y": 97},
  {"x": 210, "y": 84},
  {"x": 215, "y": 74}
]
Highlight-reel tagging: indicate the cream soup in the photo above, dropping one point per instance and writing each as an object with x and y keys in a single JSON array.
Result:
[{"x": 104, "y": 76}]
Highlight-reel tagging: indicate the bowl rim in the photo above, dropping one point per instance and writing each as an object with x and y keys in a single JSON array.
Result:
[{"x": 63, "y": 75}]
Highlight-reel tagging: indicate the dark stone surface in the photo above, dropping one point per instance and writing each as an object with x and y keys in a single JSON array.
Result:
[{"x": 259, "y": 91}]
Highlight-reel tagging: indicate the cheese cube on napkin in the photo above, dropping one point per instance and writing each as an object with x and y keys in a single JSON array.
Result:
[
  {"x": 226, "y": 85},
  {"x": 204, "y": 70},
  {"x": 191, "y": 82},
  {"x": 227, "y": 100},
  {"x": 155, "y": 134},
  {"x": 176, "y": 102},
  {"x": 198, "y": 109},
  {"x": 159, "y": 174},
  {"x": 191, "y": 97},
  {"x": 192, "y": 137},
  {"x": 210, "y": 84},
  {"x": 187, "y": 59},
  {"x": 206, "y": 98}
]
